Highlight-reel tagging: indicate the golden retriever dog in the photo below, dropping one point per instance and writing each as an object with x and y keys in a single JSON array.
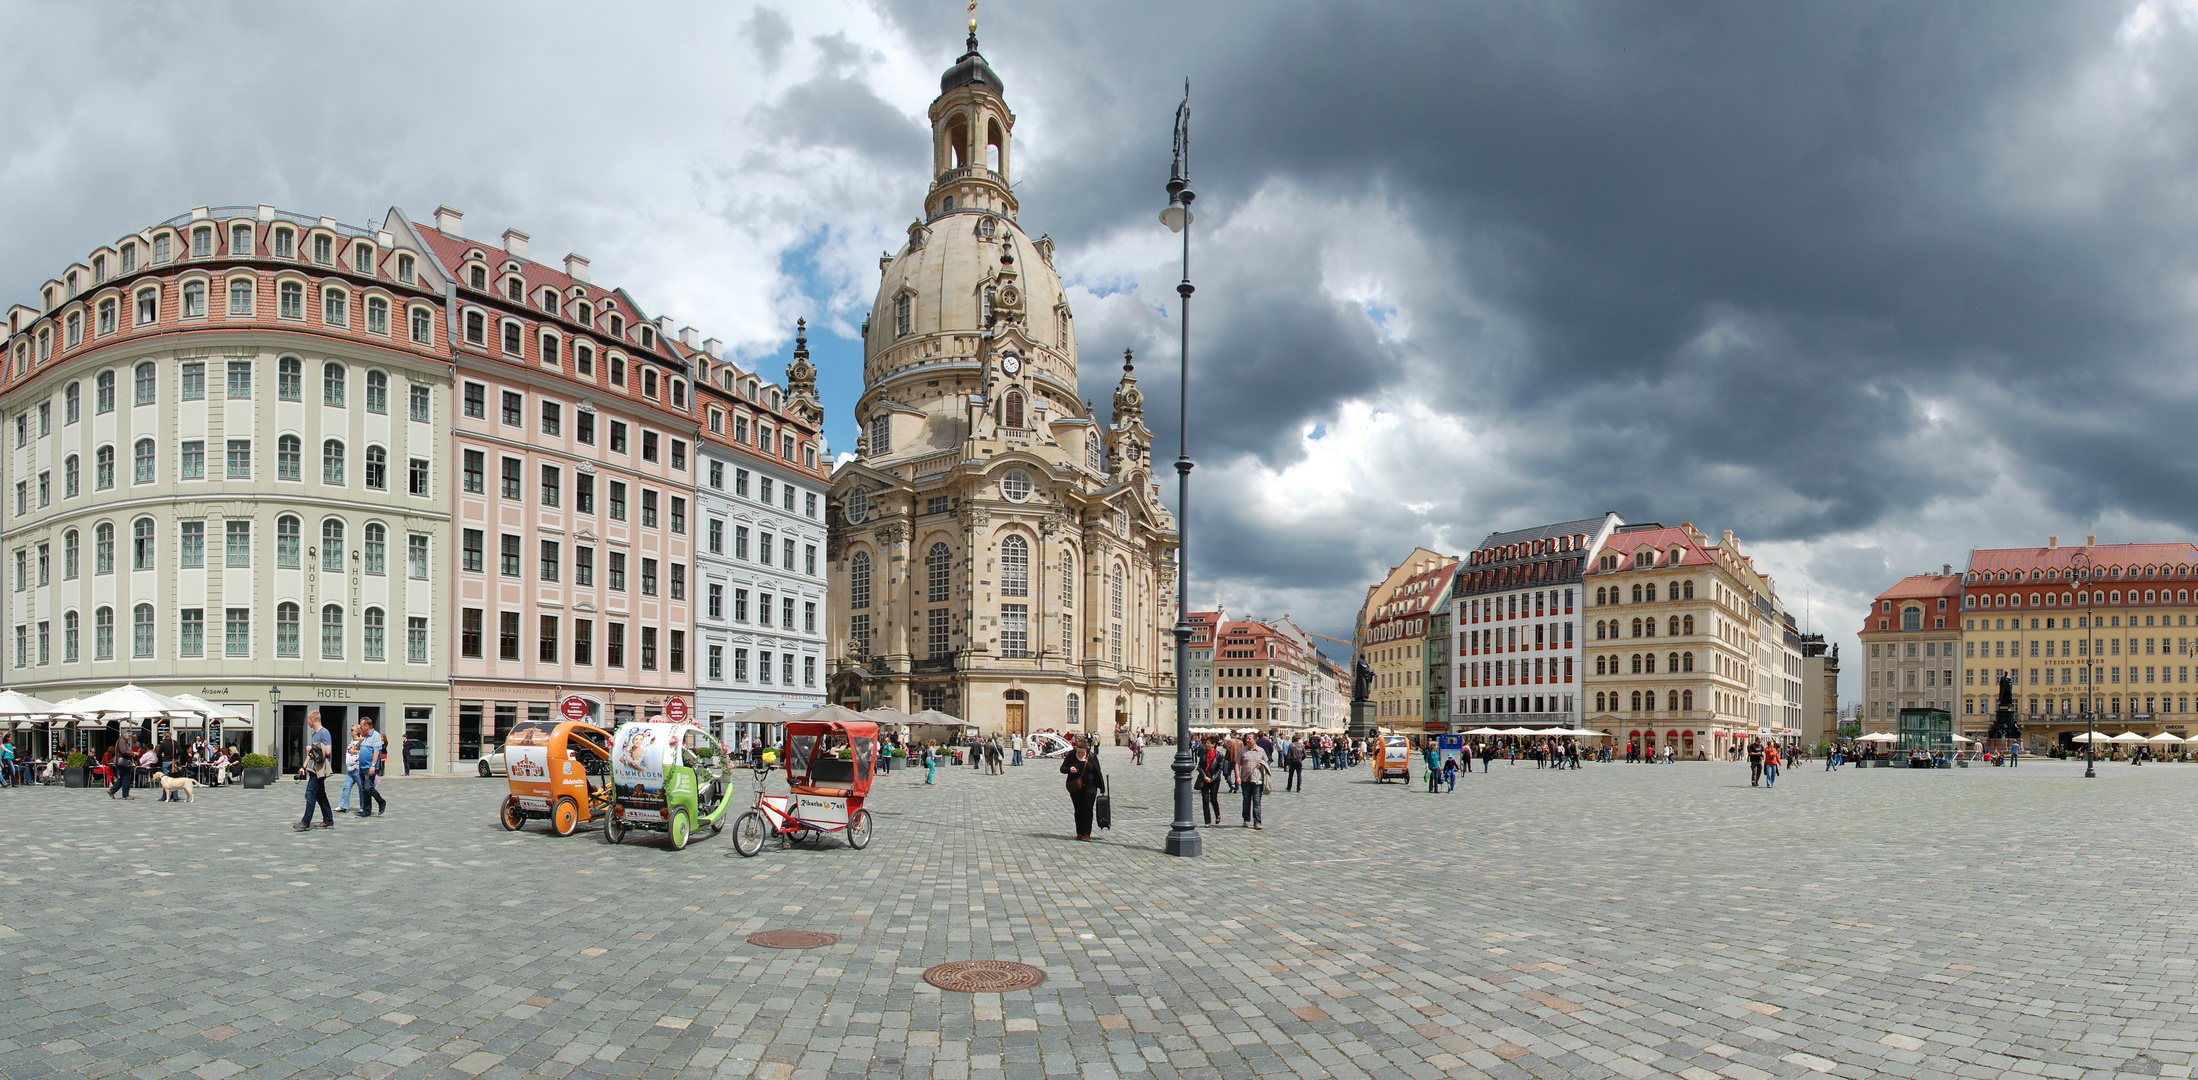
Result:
[{"x": 169, "y": 785}]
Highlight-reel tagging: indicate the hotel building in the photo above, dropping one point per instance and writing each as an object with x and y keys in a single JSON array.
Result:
[{"x": 1515, "y": 627}]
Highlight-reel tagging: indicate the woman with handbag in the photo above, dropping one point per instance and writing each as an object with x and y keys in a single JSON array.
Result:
[{"x": 1085, "y": 782}]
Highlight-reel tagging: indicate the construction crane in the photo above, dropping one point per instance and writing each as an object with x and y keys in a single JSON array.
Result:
[{"x": 1346, "y": 644}]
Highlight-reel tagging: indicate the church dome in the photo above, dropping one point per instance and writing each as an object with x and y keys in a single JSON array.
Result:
[
  {"x": 970, "y": 68},
  {"x": 937, "y": 285}
]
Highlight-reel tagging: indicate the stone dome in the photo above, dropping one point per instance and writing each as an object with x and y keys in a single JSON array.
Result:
[
  {"x": 943, "y": 271},
  {"x": 970, "y": 68}
]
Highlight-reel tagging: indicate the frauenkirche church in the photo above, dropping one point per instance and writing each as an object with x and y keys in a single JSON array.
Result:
[{"x": 998, "y": 554}]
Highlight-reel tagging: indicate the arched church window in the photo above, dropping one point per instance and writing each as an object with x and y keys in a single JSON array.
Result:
[
  {"x": 1014, "y": 566},
  {"x": 901, "y": 315},
  {"x": 881, "y": 434},
  {"x": 1014, "y": 410},
  {"x": 1092, "y": 458},
  {"x": 858, "y": 580},
  {"x": 1068, "y": 578},
  {"x": 1114, "y": 591},
  {"x": 938, "y": 571}
]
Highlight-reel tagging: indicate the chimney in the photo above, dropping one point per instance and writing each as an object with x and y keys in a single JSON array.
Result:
[
  {"x": 689, "y": 338},
  {"x": 450, "y": 221},
  {"x": 2091, "y": 540},
  {"x": 576, "y": 267},
  {"x": 663, "y": 326},
  {"x": 715, "y": 348},
  {"x": 515, "y": 242},
  {"x": 2052, "y": 542},
  {"x": 1946, "y": 569}
]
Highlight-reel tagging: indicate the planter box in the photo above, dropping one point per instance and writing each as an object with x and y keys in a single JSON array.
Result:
[
  {"x": 76, "y": 777},
  {"x": 259, "y": 778}
]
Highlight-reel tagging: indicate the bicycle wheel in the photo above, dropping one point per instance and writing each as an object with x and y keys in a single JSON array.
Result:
[{"x": 748, "y": 834}]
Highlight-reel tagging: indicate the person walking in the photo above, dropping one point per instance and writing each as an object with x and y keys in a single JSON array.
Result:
[
  {"x": 1293, "y": 766},
  {"x": 1770, "y": 765},
  {"x": 350, "y": 771},
  {"x": 1211, "y": 764},
  {"x": 123, "y": 767},
  {"x": 314, "y": 771},
  {"x": 1233, "y": 747},
  {"x": 1251, "y": 779},
  {"x": 1432, "y": 762},
  {"x": 930, "y": 762},
  {"x": 370, "y": 771},
  {"x": 1755, "y": 763},
  {"x": 1085, "y": 782}
]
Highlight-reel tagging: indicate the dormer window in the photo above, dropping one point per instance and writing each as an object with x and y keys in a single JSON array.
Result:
[
  {"x": 549, "y": 300},
  {"x": 583, "y": 360},
  {"x": 648, "y": 337},
  {"x": 202, "y": 242},
  {"x": 404, "y": 269},
  {"x": 479, "y": 277},
  {"x": 618, "y": 326},
  {"x": 513, "y": 288},
  {"x": 129, "y": 258},
  {"x": 362, "y": 258},
  {"x": 585, "y": 313},
  {"x": 240, "y": 241},
  {"x": 161, "y": 251},
  {"x": 286, "y": 244},
  {"x": 648, "y": 382},
  {"x": 324, "y": 250},
  {"x": 679, "y": 394}
]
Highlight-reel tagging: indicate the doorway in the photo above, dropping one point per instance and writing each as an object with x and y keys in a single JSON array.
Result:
[
  {"x": 1018, "y": 718},
  {"x": 291, "y": 732}
]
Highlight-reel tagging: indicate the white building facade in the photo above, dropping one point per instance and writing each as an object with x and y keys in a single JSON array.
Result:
[{"x": 1515, "y": 626}]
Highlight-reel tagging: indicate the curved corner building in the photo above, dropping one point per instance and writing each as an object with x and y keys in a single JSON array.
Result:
[{"x": 224, "y": 447}]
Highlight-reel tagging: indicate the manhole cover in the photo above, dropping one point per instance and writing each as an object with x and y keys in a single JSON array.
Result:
[
  {"x": 983, "y": 976},
  {"x": 792, "y": 939}
]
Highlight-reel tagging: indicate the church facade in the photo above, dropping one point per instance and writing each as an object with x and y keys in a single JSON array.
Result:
[{"x": 998, "y": 554}]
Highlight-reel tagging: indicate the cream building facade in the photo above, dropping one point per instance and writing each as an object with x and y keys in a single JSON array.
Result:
[
  {"x": 1391, "y": 639},
  {"x": 998, "y": 553},
  {"x": 1910, "y": 641}
]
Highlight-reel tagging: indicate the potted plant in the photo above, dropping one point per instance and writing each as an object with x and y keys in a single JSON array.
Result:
[
  {"x": 259, "y": 770},
  {"x": 76, "y": 772}
]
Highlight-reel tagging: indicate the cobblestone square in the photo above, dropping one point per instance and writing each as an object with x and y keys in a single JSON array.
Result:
[{"x": 1616, "y": 921}]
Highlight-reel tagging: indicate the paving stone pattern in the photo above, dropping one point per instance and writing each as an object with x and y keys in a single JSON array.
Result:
[{"x": 1617, "y": 921}]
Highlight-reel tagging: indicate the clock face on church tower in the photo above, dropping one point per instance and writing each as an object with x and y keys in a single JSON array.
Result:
[{"x": 1011, "y": 363}]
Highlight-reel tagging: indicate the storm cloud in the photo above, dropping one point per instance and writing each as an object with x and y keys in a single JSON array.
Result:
[{"x": 1869, "y": 284}]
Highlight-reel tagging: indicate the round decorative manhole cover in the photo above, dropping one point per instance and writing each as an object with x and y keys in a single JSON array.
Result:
[
  {"x": 792, "y": 939},
  {"x": 983, "y": 976}
]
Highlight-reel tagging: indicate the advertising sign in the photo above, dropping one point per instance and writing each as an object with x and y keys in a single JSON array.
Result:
[
  {"x": 675, "y": 709},
  {"x": 574, "y": 707},
  {"x": 637, "y": 763},
  {"x": 1449, "y": 748}
]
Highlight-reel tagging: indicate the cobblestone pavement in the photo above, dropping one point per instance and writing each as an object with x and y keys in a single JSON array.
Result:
[{"x": 1621, "y": 920}]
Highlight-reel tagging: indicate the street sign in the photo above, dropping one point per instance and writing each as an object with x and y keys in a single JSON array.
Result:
[
  {"x": 675, "y": 709},
  {"x": 574, "y": 707}
]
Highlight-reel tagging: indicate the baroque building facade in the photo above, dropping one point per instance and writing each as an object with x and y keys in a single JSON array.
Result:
[
  {"x": 1003, "y": 556},
  {"x": 228, "y": 437},
  {"x": 1390, "y": 643}
]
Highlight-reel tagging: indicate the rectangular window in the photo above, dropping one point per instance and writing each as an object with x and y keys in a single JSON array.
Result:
[
  {"x": 416, "y": 477},
  {"x": 415, "y": 640},
  {"x": 469, "y": 633},
  {"x": 678, "y": 573},
  {"x": 648, "y": 577},
  {"x": 546, "y": 645},
  {"x": 740, "y": 482},
  {"x": 240, "y": 380},
  {"x": 677, "y": 640},
  {"x": 809, "y": 617},
  {"x": 475, "y": 462},
  {"x": 236, "y": 632},
  {"x": 549, "y": 567},
  {"x": 648, "y": 446},
  {"x": 194, "y": 545},
  {"x": 740, "y": 541},
  {"x": 648, "y": 648},
  {"x": 583, "y": 426},
  {"x": 583, "y": 641},
  {"x": 514, "y": 408},
  {"x": 553, "y": 419},
  {"x": 583, "y": 492},
  {"x": 679, "y": 515},
  {"x": 715, "y": 534},
  {"x": 103, "y": 393},
  {"x": 679, "y": 454},
  {"x": 508, "y": 554},
  {"x": 470, "y": 550},
  {"x": 740, "y": 605},
  {"x": 289, "y": 458},
  {"x": 423, "y": 326},
  {"x": 416, "y": 556},
  {"x": 716, "y": 600},
  {"x": 1014, "y": 631},
  {"x": 191, "y": 634},
  {"x": 617, "y": 569},
  {"x": 507, "y": 635},
  {"x": 583, "y": 565},
  {"x": 510, "y": 478},
  {"x": 553, "y": 485},
  {"x": 648, "y": 509},
  {"x": 421, "y": 398},
  {"x": 237, "y": 543},
  {"x": 614, "y": 644},
  {"x": 740, "y": 665},
  {"x": 618, "y": 500},
  {"x": 193, "y": 459},
  {"x": 476, "y": 399},
  {"x": 717, "y": 475},
  {"x": 763, "y": 550},
  {"x": 809, "y": 559},
  {"x": 618, "y": 436},
  {"x": 716, "y": 663}
]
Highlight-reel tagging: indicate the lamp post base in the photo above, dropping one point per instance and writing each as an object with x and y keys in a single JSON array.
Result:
[{"x": 1185, "y": 842}]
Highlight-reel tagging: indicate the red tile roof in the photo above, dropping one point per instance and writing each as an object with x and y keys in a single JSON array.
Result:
[{"x": 2130, "y": 558}]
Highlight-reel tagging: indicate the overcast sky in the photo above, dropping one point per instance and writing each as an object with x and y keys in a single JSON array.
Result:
[{"x": 1868, "y": 284}]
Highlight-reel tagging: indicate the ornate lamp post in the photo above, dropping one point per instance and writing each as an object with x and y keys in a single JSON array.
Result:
[
  {"x": 1183, "y": 838},
  {"x": 2079, "y": 563}
]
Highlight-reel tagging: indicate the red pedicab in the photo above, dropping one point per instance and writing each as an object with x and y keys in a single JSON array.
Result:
[{"x": 828, "y": 766}]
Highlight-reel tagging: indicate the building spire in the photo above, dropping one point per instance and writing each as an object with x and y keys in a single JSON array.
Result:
[
  {"x": 972, "y": 25},
  {"x": 801, "y": 377}
]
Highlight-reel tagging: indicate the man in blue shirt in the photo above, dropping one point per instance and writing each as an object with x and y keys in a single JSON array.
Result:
[
  {"x": 315, "y": 769},
  {"x": 369, "y": 765}
]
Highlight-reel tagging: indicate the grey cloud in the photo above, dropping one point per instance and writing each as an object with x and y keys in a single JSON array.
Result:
[{"x": 769, "y": 33}]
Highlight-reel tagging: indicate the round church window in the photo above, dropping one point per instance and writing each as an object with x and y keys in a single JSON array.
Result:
[{"x": 1015, "y": 485}]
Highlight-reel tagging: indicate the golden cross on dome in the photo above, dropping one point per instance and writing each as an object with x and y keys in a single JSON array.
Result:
[{"x": 972, "y": 16}]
